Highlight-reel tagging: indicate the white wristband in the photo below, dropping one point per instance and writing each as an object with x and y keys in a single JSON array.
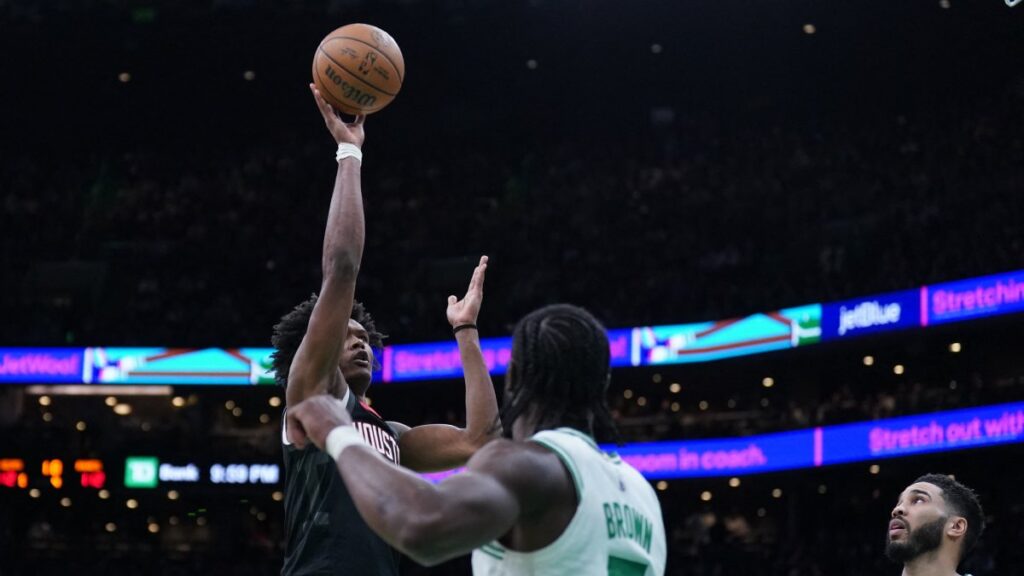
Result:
[
  {"x": 346, "y": 150},
  {"x": 340, "y": 438}
]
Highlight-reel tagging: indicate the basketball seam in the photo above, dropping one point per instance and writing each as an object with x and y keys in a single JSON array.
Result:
[
  {"x": 353, "y": 74},
  {"x": 328, "y": 81},
  {"x": 379, "y": 51}
]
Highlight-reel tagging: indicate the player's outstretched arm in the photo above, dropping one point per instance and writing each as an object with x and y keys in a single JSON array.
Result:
[
  {"x": 316, "y": 360},
  {"x": 442, "y": 447},
  {"x": 504, "y": 482}
]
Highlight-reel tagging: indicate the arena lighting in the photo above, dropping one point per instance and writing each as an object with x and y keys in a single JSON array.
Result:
[
  {"x": 955, "y": 347},
  {"x": 898, "y": 369},
  {"x": 78, "y": 390},
  {"x": 768, "y": 382},
  {"x": 44, "y": 400},
  {"x": 656, "y": 48},
  {"x": 869, "y": 360},
  {"x": 809, "y": 29}
]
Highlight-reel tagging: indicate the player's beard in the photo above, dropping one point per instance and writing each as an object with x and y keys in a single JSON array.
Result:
[{"x": 919, "y": 541}]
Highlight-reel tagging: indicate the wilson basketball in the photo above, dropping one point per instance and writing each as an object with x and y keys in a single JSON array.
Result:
[{"x": 358, "y": 69}]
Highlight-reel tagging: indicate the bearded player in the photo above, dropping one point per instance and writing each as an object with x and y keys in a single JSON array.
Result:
[
  {"x": 935, "y": 524},
  {"x": 325, "y": 347}
]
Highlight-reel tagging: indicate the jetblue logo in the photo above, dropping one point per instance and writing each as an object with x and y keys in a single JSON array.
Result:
[{"x": 868, "y": 314}]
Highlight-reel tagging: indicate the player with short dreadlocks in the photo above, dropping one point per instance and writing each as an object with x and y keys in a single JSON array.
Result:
[
  {"x": 324, "y": 348},
  {"x": 546, "y": 502},
  {"x": 566, "y": 376}
]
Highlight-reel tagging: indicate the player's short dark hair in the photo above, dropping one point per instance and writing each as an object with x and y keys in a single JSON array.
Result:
[
  {"x": 291, "y": 329},
  {"x": 963, "y": 502},
  {"x": 560, "y": 367}
]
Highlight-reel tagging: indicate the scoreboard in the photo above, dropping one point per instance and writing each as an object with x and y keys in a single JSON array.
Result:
[
  {"x": 132, "y": 472},
  {"x": 86, "y": 472}
]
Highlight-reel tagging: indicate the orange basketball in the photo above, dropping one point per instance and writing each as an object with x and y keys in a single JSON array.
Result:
[{"x": 358, "y": 69}]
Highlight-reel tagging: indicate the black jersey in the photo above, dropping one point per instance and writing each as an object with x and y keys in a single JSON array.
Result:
[{"x": 324, "y": 533}]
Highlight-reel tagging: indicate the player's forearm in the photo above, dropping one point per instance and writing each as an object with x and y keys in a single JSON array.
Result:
[
  {"x": 346, "y": 229},
  {"x": 397, "y": 504},
  {"x": 481, "y": 403}
]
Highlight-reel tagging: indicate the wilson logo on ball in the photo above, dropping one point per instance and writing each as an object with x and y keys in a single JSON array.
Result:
[{"x": 349, "y": 91}]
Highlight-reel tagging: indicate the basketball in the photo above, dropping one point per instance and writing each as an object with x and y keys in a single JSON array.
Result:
[{"x": 358, "y": 69}]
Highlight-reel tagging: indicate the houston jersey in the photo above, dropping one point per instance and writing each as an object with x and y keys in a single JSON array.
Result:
[{"x": 324, "y": 533}]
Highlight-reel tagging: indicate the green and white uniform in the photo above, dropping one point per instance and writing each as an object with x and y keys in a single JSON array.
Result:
[{"x": 617, "y": 529}]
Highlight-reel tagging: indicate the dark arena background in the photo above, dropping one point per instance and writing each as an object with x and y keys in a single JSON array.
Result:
[{"x": 681, "y": 168}]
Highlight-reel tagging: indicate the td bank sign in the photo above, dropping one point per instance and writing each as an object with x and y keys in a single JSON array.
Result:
[{"x": 147, "y": 472}]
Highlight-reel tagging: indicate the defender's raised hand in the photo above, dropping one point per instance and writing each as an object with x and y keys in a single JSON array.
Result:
[
  {"x": 465, "y": 311},
  {"x": 348, "y": 132}
]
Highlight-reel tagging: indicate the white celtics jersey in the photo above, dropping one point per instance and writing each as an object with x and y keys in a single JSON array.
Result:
[{"x": 617, "y": 529}]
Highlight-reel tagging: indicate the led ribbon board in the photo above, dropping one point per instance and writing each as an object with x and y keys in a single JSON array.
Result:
[
  {"x": 643, "y": 346},
  {"x": 823, "y": 446}
]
